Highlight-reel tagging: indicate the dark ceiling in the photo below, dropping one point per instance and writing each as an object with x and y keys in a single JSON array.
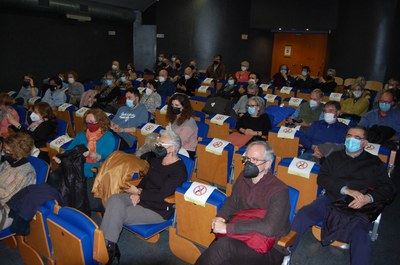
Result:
[{"x": 140, "y": 5}]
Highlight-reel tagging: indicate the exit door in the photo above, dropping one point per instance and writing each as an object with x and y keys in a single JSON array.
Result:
[{"x": 298, "y": 50}]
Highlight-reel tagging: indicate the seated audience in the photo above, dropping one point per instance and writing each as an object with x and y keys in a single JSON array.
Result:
[
  {"x": 217, "y": 69},
  {"x": 145, "y": 203},
  {"x": 187, "y": 83},
  {"x": 42, "y": 128},
  {"x": 243, "y": 74},
  {"x": 165, "y": 65},
  {"x": 75, "y": 88},
  {"x": 64, "y": 78},
  {"x": 255, "y": 122},
  {"x": 15, "y": 171},
  {"x": 28, "y": 89},
  {"x": 230, "y": 88},
  {"x": 363, "y": 179},
  {"x": 241, "y": 106},
  {"x": 357, "y": 103},
  {"x": 128, "y": 118},
  {"x": 124, "y": 81},
  {"x": 328, "y": 130},
  {"x": 131, "y": 71},
  {"x": 158, "y": 63},
  {"x": 151, "y": 99},
  {"x": 179, "y": 114},
  {"x": 107, "y": 97},
  {"x": 309, "y": 112},
  {"x": 282, "y": 78},
  {"x": 115, "y": 70},
  {"x": 304, "y": 81},
  {"x": 6, "y": 110},
  {"x": 55, "y": 95},
  {"x": 166, "y": 88},
  {"x": 385, "y": 115},
  {"x": 177, "y": 71},
  {"x": 257, "y": 192},
  {"x": 393, "y": 82},
  {"x": 193, "y": 65},
  {"x": 326, "y": 83}
]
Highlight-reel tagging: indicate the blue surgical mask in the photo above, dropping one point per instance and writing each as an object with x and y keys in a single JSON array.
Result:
[
  {"x": 304, "y": 73},
  {"x": 109, "y": 82},
  {"x": 384, "y": 106},
  {"x": 251, "y": 110},
  {"x": 123, "y": 79},
  {"x": 352, "y": 145},
  {"x": 129, "y": 103},
  {"x": 231, "y": 82}
]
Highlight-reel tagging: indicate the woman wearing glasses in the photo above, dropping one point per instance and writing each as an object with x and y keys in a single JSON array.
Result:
[
  {"x": 255, "y": 121},
  {"x": 145, "y": 203}
]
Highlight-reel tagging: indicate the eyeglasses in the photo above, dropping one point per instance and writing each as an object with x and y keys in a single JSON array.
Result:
[
  {"x": 163, "y": 144},
  {"x": 251, "y": 106},
  {"x": 354, "y": 136},
  {"x": 91, "y": 122},
  {"x": 252, "y": 160}
]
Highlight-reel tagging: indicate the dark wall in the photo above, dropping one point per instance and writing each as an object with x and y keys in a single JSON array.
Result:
[
  {"x": 46, "y": 44},
  {"x": 363, "y": 41},
  {"x": 200, "y": 29}
]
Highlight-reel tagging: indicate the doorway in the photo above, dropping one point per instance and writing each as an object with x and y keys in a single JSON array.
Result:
[{"x": 297, "y": 50}]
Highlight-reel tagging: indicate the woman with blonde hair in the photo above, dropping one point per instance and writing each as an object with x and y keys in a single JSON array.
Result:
[{"x": 6, "y": 110}]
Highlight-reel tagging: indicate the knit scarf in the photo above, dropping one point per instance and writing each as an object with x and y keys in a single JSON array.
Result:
[{"x": 92, "y": 138}]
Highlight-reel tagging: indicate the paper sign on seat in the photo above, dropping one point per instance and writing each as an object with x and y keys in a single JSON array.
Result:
[
  {"x": 208, "y": 81},
  {"x": 219, "y": 119},
  {"x": 216, "y": 146},
  {"x": 295, "y": 101},
  {"x": 81, "y": 112},
  {"x": 301, "y": 167},
  {"x": 59, "y": 141},
  {"x": 148, "y": 128},
  {"x": 33, "y": 100},
  {"x": 264, "y": 87},
  {"x": 335, "y": 96},
  {"x": 372, "y": 148},
  {"x": 286, "y": 90},
  {"x": 64, "y": 106},
  {"x": 286, "y": 132},
  {"x": 203, "y": 89},
  {"x": 198, "y": 193},
  {"x": 163, "y": 110},
  {"x": 270, "y": 98},
  {"x": 344, "y": 121}
]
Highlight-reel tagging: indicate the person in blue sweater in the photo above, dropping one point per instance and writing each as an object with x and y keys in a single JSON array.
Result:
[
  {"x": 328, "y": 130},
  {"x": 55, "y": 95},
  {"x": 165, "y": 87},
  {"x": 129, "y": 117}
]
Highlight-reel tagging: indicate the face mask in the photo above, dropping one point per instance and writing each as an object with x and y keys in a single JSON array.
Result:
[
  {"x": 160, "y": 59},
  {"x": 304, "y": 73},
  {"x": 252, "y": 81},
  {"x": 148, "y": 91},
  {"x": 163, "y": 64},
  {"x": 114, "y": 67},
  {"x": 313, "y": 103},
  {"x": 71, "y": 80},
  {"x": 251, "y": 110},
  {"x": 231, "y": 82},
  {"x": 161, "y": 79},
  {"x": 34, "y": 117},
  {"x": 178, "y": 65},
  {"x": 26, "y": 84},
  {"x": 173, "y": 59},
  {"x": 53, "y": 87},
  {"x": 109, "y": 82},
  {"x": 187, "y": 77},
  {"x": 357, "y": 93},
  {"x": 92, "y": 127},
  {"x": 216, "y": 62},
  {"x": 123, "y": 79},
  {"x": 7, "y": 157},
  {"x": 244, "y": 68},
  {"x": 352, "y": 145},
  {"x": 390, "y": 86},
  {"x": 130, "y": 70},
  {"x": 250, "y": 170},
  {"x": 176, "y": 110},
  {"x": 160, "y": 151},
  {"x": 328, "y": 78},
  {"x": 329, "y": 118},
  {"x": 283, "y": 71},
  {"x": 129, "y": 103},
  {"x": 384, "y": 106}
]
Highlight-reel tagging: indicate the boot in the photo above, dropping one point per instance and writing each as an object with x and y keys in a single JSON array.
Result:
[{"x": 113, "y": 252}]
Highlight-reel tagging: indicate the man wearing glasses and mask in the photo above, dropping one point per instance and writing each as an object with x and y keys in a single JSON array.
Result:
[{"x": 256, "y": 190}]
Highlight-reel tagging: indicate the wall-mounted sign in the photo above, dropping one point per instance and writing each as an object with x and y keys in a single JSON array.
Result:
[{"x": 287, "y": 51}]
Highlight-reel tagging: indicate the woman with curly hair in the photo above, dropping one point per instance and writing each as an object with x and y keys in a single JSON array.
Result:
[{"x": 179, "y": 114}]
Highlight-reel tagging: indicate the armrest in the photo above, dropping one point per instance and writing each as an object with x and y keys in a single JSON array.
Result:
[
  {"x": 44, "y": 149},
  {"x": 288, "y": 240},
  {"x": 170, "y": 199}
]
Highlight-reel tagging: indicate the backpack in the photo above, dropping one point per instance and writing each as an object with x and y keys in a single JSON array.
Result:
[{"x": 217, "y": 105}]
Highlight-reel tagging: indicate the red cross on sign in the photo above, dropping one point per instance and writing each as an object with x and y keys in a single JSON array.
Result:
[
  {"x": 287, "y": 130},
  {"x": 370, "y": 147},
  {"x": 199, "y": 190},
  {"x": 295, "y": 100},
  {"x": 302, "y": 165},
  {"x": 217, "y": 144},
  {"x": 219, "y": 117},
  {"x": 149, "y": 128},
  {"x": 60, "y": 141}
]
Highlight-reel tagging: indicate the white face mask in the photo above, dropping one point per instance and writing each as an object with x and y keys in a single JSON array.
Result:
[
  {"x": 244, "y": 68},
  {"x": 173, "y": 59},
  {"x": 35, "y": 117},
  {"x": 187, "y": 77},
  {"x": 71, "y": 80},
  {"x": 252, "y": 81},
  {"x": 329, "y": 118},
  {"x": 114, "y": 67},
  {"x": 148, "y": 91},
  {"x": 357, "y": 93},
  {"x": 161, "y": 79},
  {"x": 313, "y": 103}
]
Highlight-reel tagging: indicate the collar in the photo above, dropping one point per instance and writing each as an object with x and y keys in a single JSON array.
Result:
[{"x": 19, "y": 162}]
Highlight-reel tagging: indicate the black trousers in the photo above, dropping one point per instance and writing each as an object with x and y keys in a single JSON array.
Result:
[{"x": 229, "y": 251}]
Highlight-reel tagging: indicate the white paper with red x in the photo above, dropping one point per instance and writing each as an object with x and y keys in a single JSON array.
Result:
[
  {"x": 301, "y": 167},
  {"x": 148, "y": 128},
  {"x": 198, "y": 193},
  {"x": 216, "y": 146}
]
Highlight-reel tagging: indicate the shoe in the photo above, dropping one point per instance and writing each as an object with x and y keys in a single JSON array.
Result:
[
  {"x": 113, "y": 253},
  {"x": 286, "y": 260}
]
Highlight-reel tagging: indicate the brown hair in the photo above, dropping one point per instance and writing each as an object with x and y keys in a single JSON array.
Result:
[
  {"x": 20, "y": 143},
  {"x": 6, "y": 99},
  {"x": 100, "y": 117},
  {"x": 74, "y": 74},
  {"x": 45, "y": 110},
  {"x": 187, "y": 111}
]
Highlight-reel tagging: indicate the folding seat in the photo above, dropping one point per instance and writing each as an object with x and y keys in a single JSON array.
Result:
[
  {"x": 267, "y": 89},
  {"x": 286, "y": 92},
  {"x": 22, "y": 113},
  {"x": 203, "y": 91},
  {"x": 304, "y": 93},
  {"x": 284, "y": 147},
  {"x": 220, "y": 131},
  {"x": 198, "y": 103},
  {"x": 293, "y": 102},
  {"x": 149, "y": 75},
  {"x": 338, "y": 81},
  {"x": 151, "y": 232},
  {"x": 278, "y": 115},
  {"x": 75, "y": 238},
  {"x": 78, "y": 119},
  {"x": 202, "y": 130},
  {"x": 65, "y": 112},
  {"x": 374, "y": 85},
  {"x": 339, "y": 97},
  {"x": 141, "y": 132},
  {"x": 271, "y": 99},
  {"x": 349, "y": 81},
  {"x": 221, "y": 84},
  {"x": 209, "y": 82},
  {"x": 199, "y": 116}
]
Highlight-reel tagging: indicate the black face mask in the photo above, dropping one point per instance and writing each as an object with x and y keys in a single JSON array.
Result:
[
  {"x": 328, "y": 78},
  {"x": 52, "y": 87},
  {"x": 163, "y": 64},
  {"x": 250, "y": 170},
  {"x": 250, "y": 95},
  {"x": 176, "y": 111},
  {"x": 160, "y": 151},
  {"x": 178, "y": 65},
  {"x": 26, "y": 84},
  {"x": 216, "y": 62}
]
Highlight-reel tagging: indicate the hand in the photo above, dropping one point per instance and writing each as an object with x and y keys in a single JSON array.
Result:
[
  {"x": 284, "y": 76},
  {"x": 355, "y": 194},
  {"x": 317, "y": 153},
  {"x": 135, "y": 199},
  {"x": 131, "y": 189},
  {"x": 11, "y": 119},
  {"x": 115, "y": 127},
  {"x": 183, "y": 87},
  {"x": 31, "y": 82},
  {"x": 248, "y": 131},
  {"x": 219, "y": 226},
  {"x": 290, "y": 120},
  {"x": 322, "y": 80},
  {"x": 357, "y": 204},
  {"x": 57, "y": 160},
  {"x": 86, "y": 153},
  {"x": 94, "y": 155},
  {"x": 216, "y": 219}
]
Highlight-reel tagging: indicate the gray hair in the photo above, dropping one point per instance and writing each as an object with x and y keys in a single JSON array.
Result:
[
  {"x": 269, "y": 152},
  {"x": 175, "y": 140},
  {"x": 333, "y": 71},
  {"x": 319, "y": 92},
  {"x": 148, "y": 145},
  {"x": 260, "y": 103},
  {"x": 253, "y": 86}
]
